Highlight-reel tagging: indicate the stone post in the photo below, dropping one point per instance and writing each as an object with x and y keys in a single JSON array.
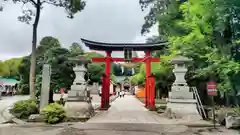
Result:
[
  {"x": 181, "y": 101},
  {"x": 45, "y": 90}
]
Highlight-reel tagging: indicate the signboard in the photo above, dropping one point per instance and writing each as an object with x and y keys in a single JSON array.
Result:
[
  {"x": 212, "y": 91},
  {"x": 212, "y": 88}
]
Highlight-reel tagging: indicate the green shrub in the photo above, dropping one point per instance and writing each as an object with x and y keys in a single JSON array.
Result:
[
  {"x": 54, "y": 113},
  {"x": 24, "y": 108}
]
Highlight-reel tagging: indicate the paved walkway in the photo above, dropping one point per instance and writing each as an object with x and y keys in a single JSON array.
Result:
[
  {"x": 125, "y": 110},
  {"x": 126, "y": 116},
  {"x": 7, "y": 102}
]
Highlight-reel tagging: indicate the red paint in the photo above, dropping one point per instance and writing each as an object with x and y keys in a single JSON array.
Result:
[
  {"x": 148, "y": 63},
  {"x": 151, "y": 85},
  {"x": 103, "y": 93},
  {"x": 146, "y": 93},
  {"x": 106, "y": 81},
  {"x": 108, "y": 64},
  {"x": 211, "y": 85},
  {"x": 212, "y": 88},
  {"x": 118, "y": 60},
  {"x": 148, "y": 73},
  {"x": 107, "y": 96}
]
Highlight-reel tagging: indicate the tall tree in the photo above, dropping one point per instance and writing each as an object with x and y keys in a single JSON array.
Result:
[
  {"x": 71, "y": 7},
  {"x": 206, "y": 31},
  {"x": 62, "y": 74},
  {"x": 76, "y": 49},
  {"x": 49, "y": 42}
]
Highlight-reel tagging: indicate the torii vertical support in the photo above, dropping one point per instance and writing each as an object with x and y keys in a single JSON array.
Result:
[
  {"x": 105, "y": 80},
  {"x": 149, "y": 83}
]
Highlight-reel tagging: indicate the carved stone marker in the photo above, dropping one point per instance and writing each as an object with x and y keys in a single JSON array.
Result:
[
  {"x": 181, "y": 101},
  {"x": 46, "y": 78},
  {"x": 78, "y": 105}
]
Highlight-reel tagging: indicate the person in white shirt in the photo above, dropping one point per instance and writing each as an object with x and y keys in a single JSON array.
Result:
[{"x": 120, "y": 94}]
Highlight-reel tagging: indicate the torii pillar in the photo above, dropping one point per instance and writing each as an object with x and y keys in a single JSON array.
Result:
[
  {"x": 106, "y": 82},
  {"x": 149, "y": 82}
]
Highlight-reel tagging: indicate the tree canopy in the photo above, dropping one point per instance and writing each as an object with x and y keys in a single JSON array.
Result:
[
  {"x": 51, "y": 52},
  {"x": 76, "y": 49},
  {"x": 206, "y": 31}
]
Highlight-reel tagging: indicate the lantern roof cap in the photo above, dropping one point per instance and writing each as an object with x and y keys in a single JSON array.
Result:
[{"x": 180, "y": 59}]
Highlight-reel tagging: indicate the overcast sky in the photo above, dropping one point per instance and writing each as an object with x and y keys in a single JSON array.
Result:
[{"x": 102, "y": 20}]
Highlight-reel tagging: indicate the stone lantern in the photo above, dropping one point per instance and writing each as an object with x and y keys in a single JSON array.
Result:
[
  {"x": 180, "y": 65},
  {"x": 180, "y": 100},
  {"x": 78, "y": 103}
]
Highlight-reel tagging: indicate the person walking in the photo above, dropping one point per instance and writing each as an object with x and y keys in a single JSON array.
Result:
[
  {"x": 120, "y": 94},
  {"x": 123, "y": 93}
]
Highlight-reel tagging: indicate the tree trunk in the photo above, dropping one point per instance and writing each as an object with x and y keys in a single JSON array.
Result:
[{"x": 32, "y": 77}]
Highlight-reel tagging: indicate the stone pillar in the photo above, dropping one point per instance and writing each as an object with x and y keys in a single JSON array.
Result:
[
  {"x": 77, "y": 105},
  {"x": 45, "y": 90},
  {"x": 181, "y": 101}
]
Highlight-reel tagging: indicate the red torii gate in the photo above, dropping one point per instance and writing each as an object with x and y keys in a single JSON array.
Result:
[{"x": 108, "y": 48}]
